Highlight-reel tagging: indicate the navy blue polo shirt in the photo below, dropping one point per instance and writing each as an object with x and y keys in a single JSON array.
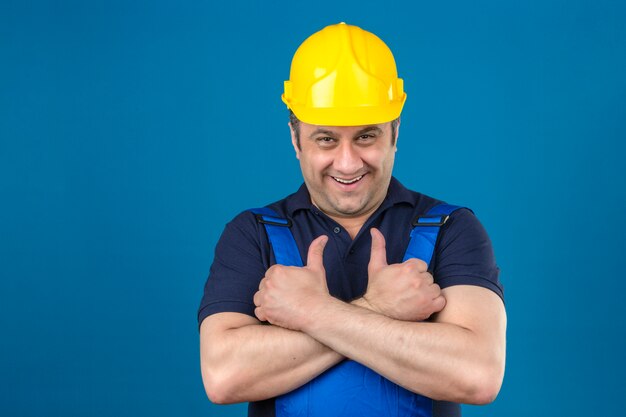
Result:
[{"x": 463, "y": 254}]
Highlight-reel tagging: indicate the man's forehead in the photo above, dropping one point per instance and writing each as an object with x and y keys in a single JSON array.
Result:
[{"x": 343, "y": 130}]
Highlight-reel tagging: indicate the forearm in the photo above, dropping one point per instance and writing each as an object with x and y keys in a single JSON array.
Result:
[
  {"x": 439, "y": 360},
  {"x": 256, "y": 362},
  {"x": 244, "y": 360}
]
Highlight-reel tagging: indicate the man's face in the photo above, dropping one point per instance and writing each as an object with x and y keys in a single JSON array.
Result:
[{"x": 346, "y": 169}]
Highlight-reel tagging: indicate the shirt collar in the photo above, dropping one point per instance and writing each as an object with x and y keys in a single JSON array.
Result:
[{"x": 396, "y": 194}]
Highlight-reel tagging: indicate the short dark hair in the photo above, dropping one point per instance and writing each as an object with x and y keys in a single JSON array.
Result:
[{"x": 295, "y": 125}]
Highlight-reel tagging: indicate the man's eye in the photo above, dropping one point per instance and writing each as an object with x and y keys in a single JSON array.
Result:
[{"x": 326, "y": 140}]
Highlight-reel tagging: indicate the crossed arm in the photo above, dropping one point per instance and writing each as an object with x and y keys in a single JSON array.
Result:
[{"x": 457, "y": 356}]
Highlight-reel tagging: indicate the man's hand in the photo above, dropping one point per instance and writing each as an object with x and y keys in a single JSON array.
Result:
[
  {"x": 403, "y": 291},
  {"x": 288, "y": 294}
]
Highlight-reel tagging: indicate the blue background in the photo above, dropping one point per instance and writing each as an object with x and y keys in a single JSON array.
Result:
[{"x": 131, "y": 132}]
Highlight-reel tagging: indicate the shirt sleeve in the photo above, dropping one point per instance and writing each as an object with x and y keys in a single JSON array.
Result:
[
  {"x": 465, "y": 256},
  {"x": 238, "y": 266}
]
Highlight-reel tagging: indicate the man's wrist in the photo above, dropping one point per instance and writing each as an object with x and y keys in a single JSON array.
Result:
[
  {"x": 363, "y": 302},
  {"x": 312, "y": 310}
]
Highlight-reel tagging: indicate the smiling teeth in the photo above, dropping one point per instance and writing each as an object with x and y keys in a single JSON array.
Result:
[{"x": 348, "y": 181}]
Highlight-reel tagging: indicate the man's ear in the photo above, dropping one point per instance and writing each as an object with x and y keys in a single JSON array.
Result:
[
  {"x": 294, "y": 140},
  {"x": 397, "y": 136}
]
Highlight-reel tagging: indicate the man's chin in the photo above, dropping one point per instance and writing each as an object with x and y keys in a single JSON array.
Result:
[
  {"x": 349, "y": 210},
  {"x": 344, "y": 207}
]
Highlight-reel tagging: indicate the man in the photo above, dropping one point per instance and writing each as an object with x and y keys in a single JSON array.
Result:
[{"x": 358, "y": 330}]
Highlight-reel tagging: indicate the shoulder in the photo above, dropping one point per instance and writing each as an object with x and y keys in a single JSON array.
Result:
[
  {"x": 424, "y": 203},
  {"x": 463, "y": 225},
  {"x": 247, "y": 220},
  {"x": 462, "y": 222},
  {"x": 245, "y": 235},
  {"x": 399, "y": 196}
]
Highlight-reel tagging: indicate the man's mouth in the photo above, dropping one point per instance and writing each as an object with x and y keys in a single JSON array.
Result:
[{"x": 348, "y": 181}]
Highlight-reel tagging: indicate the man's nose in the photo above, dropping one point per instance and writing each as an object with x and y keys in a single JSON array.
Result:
[{"x": 348, "y": 159}]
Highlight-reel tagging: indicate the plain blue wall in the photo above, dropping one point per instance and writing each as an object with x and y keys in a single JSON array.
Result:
[{"x": 130, "y": 132}]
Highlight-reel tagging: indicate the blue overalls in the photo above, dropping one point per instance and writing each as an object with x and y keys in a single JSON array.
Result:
[{"x": 349, "y": 388}]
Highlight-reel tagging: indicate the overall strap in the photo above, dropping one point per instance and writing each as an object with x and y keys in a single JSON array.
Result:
[
  {"x": 279, "y": 233},
  {"x": 425, "y": 231},
  {"x": 422, "y": 246}
]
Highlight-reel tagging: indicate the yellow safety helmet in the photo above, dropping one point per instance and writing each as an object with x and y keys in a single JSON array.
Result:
[{"x": 344, "y": 76}]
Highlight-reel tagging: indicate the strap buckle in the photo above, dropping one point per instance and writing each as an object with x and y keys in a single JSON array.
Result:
[
  {"x": 432, "y": 220},
  {"x": 273, "y": 221}
]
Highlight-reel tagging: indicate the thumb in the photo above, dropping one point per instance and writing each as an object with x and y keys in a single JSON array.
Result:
[
  {"x": 378, "y": 255},
  {"x": 315, "y": 257}
]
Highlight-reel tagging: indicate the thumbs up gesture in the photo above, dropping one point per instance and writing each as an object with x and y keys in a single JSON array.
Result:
[
  {"x": 404, "y": 291},
  {"x": 287, "y": 294}
]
